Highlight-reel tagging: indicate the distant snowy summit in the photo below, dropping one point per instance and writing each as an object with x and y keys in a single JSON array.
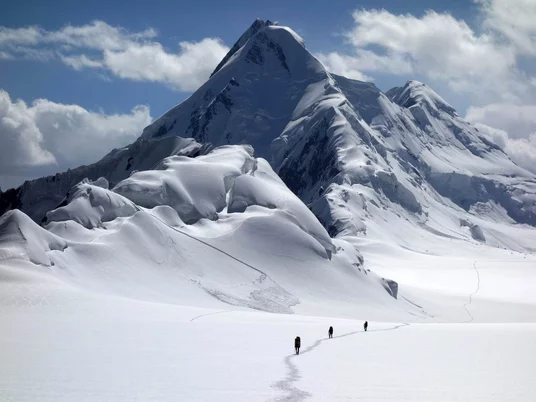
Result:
[{"x": 362, "y": 160}]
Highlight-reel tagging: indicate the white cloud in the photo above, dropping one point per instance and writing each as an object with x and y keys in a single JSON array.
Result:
[
  {"x": 512, "y": 127},
  {"x": 437, "y": 46},
  {"x": 18, "y": 36},
  {"x": 46, "y": 137},
  {"x": 437, "y": 43},
  {"x": 6, "y": 56},
  {"x": 517, "y": 120},
  {"x": 515, "y": 20},
  {"x": 364, "y": 61},
  {"x": 129, "y": 55},
  {"x": 521, "y": 150},
  {"x": 22, "y": 141},
  {"x": 186, "y": 70},
  {"x": 481, "y": 61},
  {"x": 80, "y": 62},
  {"x": 96, "y": 35}
]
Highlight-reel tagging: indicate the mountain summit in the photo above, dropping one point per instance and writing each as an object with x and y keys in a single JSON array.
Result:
[{"x": 253, "y": 29}]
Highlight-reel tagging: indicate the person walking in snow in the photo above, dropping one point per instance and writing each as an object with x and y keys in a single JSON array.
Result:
[
  {"x": 365, "y": 326},
  {"x": 330, "y": 332},
  {"x": 297, "y": 344}
]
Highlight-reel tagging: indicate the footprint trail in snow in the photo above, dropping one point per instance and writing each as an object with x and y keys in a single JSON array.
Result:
[
  {"x": 293, "y": 373},
  {"x": 471, "y": 318}
]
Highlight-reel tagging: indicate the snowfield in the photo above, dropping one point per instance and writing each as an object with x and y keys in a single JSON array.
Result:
[
  {"x": 182, "y": 269},
  {"x": 462, "y": 328},
  {"x": 62, "y": 344}
]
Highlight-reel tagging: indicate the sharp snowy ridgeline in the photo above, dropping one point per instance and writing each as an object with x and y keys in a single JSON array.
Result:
[{"x": 276, "y": 187}]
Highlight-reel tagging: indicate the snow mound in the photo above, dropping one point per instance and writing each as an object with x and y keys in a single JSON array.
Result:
[
  {"x": 91, "y": 204},
  {"x": 21, "y": 238},
  {"x": 264, "y": 188},
  {"x": 195, "y": 187}
]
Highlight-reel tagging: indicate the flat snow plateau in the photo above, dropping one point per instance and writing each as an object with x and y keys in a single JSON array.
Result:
[{"x": 62, "y": 343}]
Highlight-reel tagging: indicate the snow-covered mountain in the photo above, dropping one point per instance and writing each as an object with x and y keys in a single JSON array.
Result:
[
  {"x": 352, "y": 152},
  {"x": 263, "y": 186}
]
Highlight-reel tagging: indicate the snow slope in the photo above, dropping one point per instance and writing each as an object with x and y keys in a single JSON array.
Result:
[
  {"x": 62, "y": 344},
  {"x": 220, "y": 227}
]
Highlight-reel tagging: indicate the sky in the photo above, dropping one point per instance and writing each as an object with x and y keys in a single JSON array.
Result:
[{"x": 80, "y": 78}]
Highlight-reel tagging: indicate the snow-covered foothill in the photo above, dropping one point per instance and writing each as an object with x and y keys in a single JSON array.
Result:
[{"x": 219, "y": 227}]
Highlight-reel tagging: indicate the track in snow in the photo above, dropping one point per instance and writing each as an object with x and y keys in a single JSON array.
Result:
[
  {"x": 262, "y": 277},
  {"x": 204, "y": 315},
  {"x": 293, "y": 373},
  {"x": 471, "y": 318},
  {"x": 211, "y": 246}
]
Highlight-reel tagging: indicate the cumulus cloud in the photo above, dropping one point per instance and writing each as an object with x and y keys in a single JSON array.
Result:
[
  {"x": 521, "y": 150},
  {"x": 364, "y": 61},
  {"x": 439, "y": 44},
  {"x": 514, "y": 20},
  {"x": 512, "y": 127},
  {"x": 130, "y": 55},
  {"x": 517, "y": 120},
  {"x": 47, "y": 137},
  {"x": 481, "y": 61},
  {"x": 186, "y": 70},
  {"x": 22, "y": 141}
]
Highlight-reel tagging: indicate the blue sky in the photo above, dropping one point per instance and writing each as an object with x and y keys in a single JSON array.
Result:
[{"x": 102, "y": 70}]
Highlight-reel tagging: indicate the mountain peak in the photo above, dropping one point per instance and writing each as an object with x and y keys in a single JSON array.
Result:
[
  {"x": 257, "y": 25},
  {"x": 417, "y": 93}
]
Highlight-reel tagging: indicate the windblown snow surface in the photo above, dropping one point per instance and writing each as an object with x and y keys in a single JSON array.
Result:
[{"x": 182, "y": 269}]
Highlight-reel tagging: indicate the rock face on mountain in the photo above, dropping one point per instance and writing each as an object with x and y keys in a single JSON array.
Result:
[{"x": 359, "y": 158}]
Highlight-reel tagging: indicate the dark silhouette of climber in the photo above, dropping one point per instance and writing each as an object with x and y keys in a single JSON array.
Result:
[
  {"x": 365, "y": 326},
  {"x": 330, "y": 332},
  {"x": 297, "y": 344}
]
